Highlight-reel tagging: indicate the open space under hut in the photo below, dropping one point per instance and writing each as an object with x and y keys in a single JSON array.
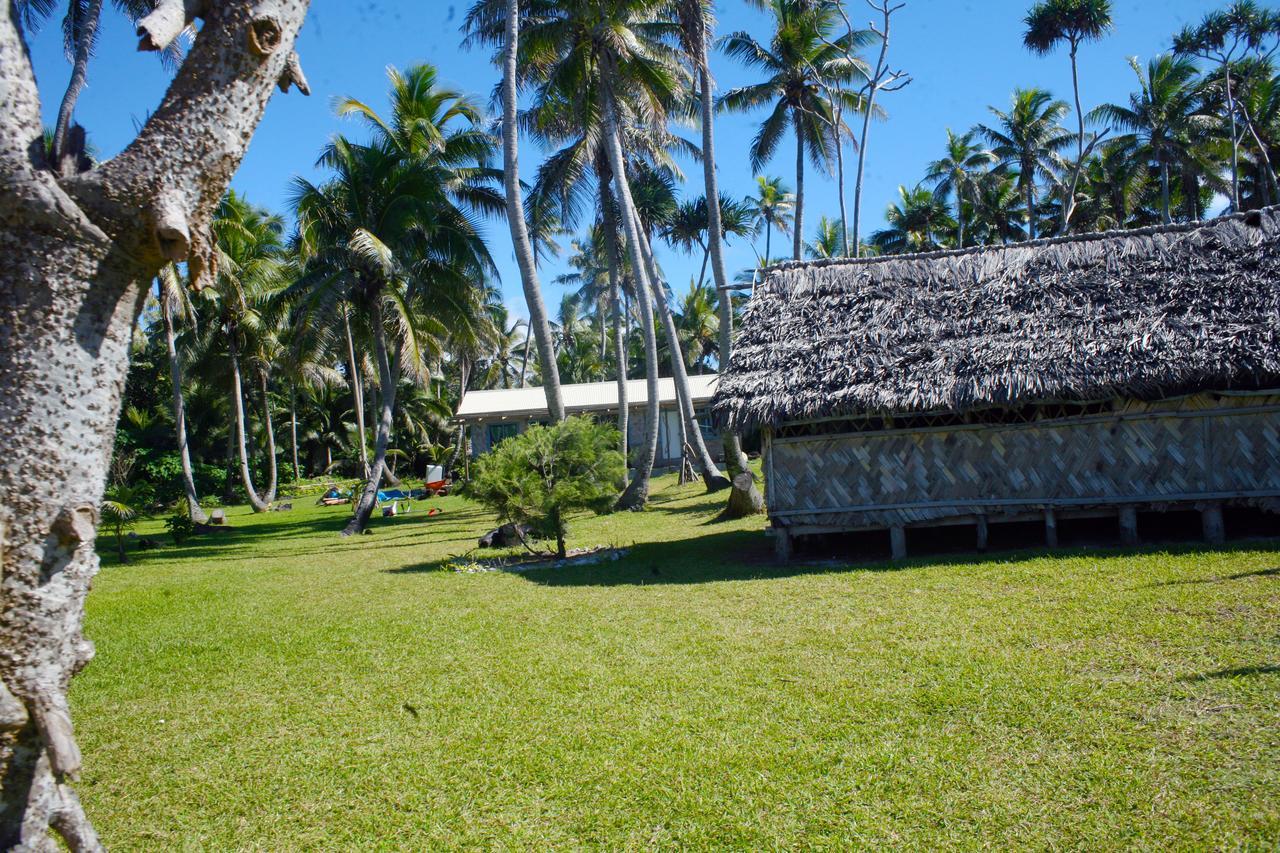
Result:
[{"x": 1099, "y": 376}]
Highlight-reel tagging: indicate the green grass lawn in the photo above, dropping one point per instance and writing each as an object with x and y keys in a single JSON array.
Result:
[{"x": 281, "y": 688}]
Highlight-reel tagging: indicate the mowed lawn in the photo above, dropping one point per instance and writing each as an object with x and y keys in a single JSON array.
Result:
[{"x": 281, "y": 688}]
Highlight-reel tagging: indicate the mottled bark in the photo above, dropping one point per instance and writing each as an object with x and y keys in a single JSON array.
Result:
[
  {"x": 180, "y": 412},
  {"x": 515, "y": 219},
  {"x": 636, "y": 495},
  {"x": 76, "y": 256}
]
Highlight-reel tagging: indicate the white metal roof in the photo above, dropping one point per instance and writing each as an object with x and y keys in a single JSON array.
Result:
[{"x": 587, "y": 397}]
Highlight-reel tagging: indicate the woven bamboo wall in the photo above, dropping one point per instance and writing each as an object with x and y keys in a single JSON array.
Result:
[{"x": 1204, "y": 447}]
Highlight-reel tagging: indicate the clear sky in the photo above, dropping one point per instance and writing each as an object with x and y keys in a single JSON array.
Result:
[{"x": 963, "y": 55}]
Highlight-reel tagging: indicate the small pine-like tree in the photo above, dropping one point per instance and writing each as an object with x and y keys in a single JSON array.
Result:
[{"x": 540, "y": 476}]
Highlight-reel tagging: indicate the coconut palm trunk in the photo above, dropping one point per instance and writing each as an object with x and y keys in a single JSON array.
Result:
[
  {"x": 798, "y": 238},
  {"x": 180, "y": 411},
  {"x": 614, "y": 260},
  {"x": 692, "y": 433},
  {"x": 637, "y": 492},
  {"x": 293, "y": 432},
  {"x": 237, "y": 390},
  {"x": 272, "y": 471},
  {"x": 734, "y": 459},
  {"x": 79, "y": 76},
  {"x": 386, "y": 405},
  {"x": 357, "y": 392},
  {"x": 515, "y": 219}
]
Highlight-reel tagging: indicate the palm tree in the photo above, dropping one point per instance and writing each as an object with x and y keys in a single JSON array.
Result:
[
  {"x": 958, "y": 172},
  {"x": 1225, "y": 37},
  {"x": 696, "y": 25},
  {"x": 175, "y": 304},
  {"x": 1029, "y": 139},
  {"x": 249, "y": 248},
  {"x": 516, "y": 220},
  {"x": 1164, "y": 118},
  {"x": 394, "y": 236},
  {"x": 602, "y": 73},
  {"x": 773, "y": 204},
  {"x": 806, "y": 70},
  {"x": 998, "y": 209},
  {"x": 1049, "y": 24},
  {"x": 828, "y": 240},
  {"x": 1116, "y": 190},
  {"x": 698, "y": 325},
  {"x": 689, "y": 227},
  {"x": 914, "y": 223},
  {"x": 80, "y": 39}
]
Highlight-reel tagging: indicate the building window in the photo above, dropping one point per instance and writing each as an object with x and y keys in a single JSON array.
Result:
[{"x": 499, "y": 433}]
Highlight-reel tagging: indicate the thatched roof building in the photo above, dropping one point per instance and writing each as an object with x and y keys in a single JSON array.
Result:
[{"x": 1070, "y": 327}]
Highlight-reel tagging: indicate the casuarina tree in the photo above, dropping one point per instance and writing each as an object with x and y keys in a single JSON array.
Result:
[{"x": 79, "y": 252}]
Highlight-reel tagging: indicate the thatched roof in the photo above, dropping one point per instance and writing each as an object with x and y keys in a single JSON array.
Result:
[{"x": 1143, "y": 314}]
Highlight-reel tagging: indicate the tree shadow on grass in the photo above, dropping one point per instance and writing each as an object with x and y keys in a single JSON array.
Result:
[
  {"x": 1235, "y": 672},
  {"x": 1256, "y": 573}
]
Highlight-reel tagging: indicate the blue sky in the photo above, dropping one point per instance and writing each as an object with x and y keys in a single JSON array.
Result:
[{"x": 963, "y": 55}]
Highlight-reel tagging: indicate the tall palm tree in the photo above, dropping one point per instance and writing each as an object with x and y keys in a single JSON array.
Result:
[
  {"x": 175, "y": 304},
  {"x": 806, "y": 66},
  {"x": 773, "y": 204},
  {"x": 1049, "y": 24},
  {"x": 698, "y": 326},
  {"x": 395, "y": 236},
  {"x": 515, "y": 217},
  {"x": 1029, "y": 138},
  {"x": 1164, "y": 117},
  {"x": 958, "y": 172},
  {"x": 250, "y": 248},
  {"x": 914, "y": 223},
  {"x": 696, "y": 25}
]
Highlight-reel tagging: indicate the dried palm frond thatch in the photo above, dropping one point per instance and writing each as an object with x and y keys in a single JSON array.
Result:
[{"x": 1141, "y": 314}]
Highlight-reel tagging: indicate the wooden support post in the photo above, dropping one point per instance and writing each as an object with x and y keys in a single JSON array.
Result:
[
  {"x": 1215, "y": 532},
  {"x": 898, "y": 542},
  {"x": 982, "y": 532},
  {"x": 782, "y": 544},
  {"x": 1050, "y": 528},
  {"x": 1129, "y": 525}
]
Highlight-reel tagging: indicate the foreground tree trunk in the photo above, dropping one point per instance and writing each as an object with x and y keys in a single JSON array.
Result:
[
  {"x": 76, "y": 256},
  {"x": 636, "y": 494},
  {"x": 180, "y": 410},
  {"x": 293, "y": 432},
  {"x": 515, "y": 219},
  {"x": 237, "y": 407},
  {"x": 386, "y": 405},
  {"x": 797, "y": 239}
]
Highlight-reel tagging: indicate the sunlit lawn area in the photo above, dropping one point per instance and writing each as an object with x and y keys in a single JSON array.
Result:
[{"x": 281, "y": 688}]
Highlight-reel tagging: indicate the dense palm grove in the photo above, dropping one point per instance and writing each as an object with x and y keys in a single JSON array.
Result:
[{"x": 345, "y": 335}]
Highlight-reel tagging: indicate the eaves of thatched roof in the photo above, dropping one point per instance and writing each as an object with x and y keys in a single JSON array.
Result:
[{"x": 1142, "y": 314}]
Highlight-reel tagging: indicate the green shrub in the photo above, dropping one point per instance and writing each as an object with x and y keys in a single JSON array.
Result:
[
  {"x": 180, "y": 526},
  {"x": 538, "y": 477}
]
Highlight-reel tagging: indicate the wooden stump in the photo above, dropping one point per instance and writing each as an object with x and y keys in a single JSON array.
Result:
[
  {"x": 1128, "y": 525},
  {"x": 898, "y": 542},
  {"x": 982, "y": 533},
  {"x": 744, "y": 498},
  {"x": 782, "y": 544},
  {"x": 1215, "y": 532},
  {"x": 1050, "y": 528}
]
